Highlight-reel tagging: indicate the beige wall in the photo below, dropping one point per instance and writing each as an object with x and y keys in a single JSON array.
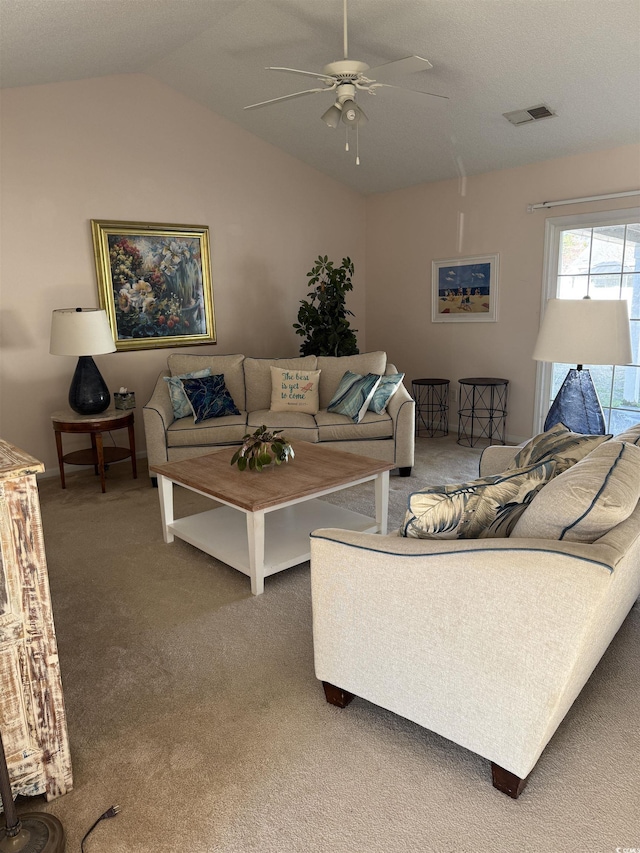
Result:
[
  {"x": 486, "y": 214},
  {"x": 130, "y": 148}
]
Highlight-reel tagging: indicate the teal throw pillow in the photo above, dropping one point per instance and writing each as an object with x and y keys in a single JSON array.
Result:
[
  {"x": 179, "y": 401},
  {"x": 384, "y": 392},
  {"x": 353, "y": 395},
  {"x": 209, "y": 397},
  {"x": 487, "y": 508}
]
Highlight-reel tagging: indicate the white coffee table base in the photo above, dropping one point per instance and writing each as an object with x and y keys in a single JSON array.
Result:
[{"x": 262, "y": 543}]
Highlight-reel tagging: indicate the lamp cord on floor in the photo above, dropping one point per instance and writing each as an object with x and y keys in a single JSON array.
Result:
[{"x": 112, "y": 812}]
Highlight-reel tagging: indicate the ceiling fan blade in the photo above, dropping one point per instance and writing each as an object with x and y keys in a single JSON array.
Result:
[
  {"x": 285, "y": 98},
  {"x": 404, "y": 89},
  {"x": 317, "y": 74},
  {"x": 408, "y": 65}
]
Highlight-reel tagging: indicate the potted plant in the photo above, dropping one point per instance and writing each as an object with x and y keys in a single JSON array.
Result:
[
  {"x": 262, "y": 448},
  {"x": 322, "y": 319}
]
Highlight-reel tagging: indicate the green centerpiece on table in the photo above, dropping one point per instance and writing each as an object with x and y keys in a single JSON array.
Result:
[{"x": 261, "y": 449}]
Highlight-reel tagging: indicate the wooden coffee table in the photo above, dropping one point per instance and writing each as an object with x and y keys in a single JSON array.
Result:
[{"x": 265, "y": 518}]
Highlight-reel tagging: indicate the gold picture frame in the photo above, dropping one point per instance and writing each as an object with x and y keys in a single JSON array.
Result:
[{"x": 154, "y": 282}]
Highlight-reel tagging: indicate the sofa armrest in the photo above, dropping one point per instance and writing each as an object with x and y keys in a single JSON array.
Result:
[
  {"x": 157, "y": 415},
  {"x": 496, "y": 458},
  {"x": 484, "y": 642},
  {"x": 401, "y": 408}
]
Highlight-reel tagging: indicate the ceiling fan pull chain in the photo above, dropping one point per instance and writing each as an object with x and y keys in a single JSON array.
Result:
[
  {"x": 357, "y": 147},
  {"x": 346, "y": 145}
]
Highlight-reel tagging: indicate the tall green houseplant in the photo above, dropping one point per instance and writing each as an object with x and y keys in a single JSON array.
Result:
[{"x": 323, "y": 317}]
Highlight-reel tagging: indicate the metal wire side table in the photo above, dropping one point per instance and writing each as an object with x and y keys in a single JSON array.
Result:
[
  {"x": 482, "y": 415},
  {"x": 432, "y": 406}
]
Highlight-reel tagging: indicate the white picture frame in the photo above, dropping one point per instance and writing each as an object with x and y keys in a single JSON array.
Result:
[{"x": 465, "y": 290}]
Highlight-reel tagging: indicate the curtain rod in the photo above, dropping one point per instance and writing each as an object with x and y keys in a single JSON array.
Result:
[{"x": 532, "y": 207}]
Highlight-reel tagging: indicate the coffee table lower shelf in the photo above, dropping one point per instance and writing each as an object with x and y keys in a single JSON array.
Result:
[{"x": 222, "y": 533}]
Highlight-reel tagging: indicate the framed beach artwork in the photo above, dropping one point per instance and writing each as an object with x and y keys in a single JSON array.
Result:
[
  {"x": 465, "y": 290},
  {"x": 154, "y": 282}
]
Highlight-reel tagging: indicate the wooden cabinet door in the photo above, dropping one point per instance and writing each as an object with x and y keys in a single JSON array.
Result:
[{"x": 32, "y": 716}]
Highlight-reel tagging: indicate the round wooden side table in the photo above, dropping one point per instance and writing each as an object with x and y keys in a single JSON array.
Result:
[{"x": 94, "y": 425}]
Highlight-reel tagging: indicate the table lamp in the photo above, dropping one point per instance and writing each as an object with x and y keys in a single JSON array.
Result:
[
  {"x": 83, "y": 332},
  {"x": 582, "y": 331}
]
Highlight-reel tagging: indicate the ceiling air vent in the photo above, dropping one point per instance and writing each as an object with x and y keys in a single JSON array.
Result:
[{"x": 530, "y": 114}]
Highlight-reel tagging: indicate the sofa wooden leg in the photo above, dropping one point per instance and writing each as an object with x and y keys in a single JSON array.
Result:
[
  {"x": 336, "y": 695},
  {"x": 507, "y": 782},
  {"x": 405, "y": 472}
]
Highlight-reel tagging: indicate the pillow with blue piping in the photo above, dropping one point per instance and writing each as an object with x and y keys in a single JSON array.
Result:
[
  {"x": 179, "y": 400},
  {"x": 584, "y": 502},
  {"x": 353, "y": 395},
  {"x": 209, "y": 397},
  {"x": 384, "y": 392}
]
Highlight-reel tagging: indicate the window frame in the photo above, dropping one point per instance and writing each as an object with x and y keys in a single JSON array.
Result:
[{"x": 553, "y": 230}]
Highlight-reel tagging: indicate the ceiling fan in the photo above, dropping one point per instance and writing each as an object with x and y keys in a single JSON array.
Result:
[{"x": 346, "y": 77}]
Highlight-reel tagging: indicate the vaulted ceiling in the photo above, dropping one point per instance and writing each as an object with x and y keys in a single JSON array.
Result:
[{"x": 579, "y": 57}]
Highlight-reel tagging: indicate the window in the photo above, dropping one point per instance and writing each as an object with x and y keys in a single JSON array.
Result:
[{"x": 596, "y": 255}]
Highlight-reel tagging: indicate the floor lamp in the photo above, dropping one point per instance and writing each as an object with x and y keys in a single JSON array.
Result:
[
  {"x": 582, "y": 331},
  {"x": 36, "y": 832}
]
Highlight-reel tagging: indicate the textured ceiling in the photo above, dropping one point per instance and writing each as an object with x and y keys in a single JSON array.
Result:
[{"x": 580, "y": 57}]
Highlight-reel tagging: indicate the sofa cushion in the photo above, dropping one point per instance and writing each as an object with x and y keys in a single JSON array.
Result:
[
  {"x": 230, "y": 429},
  {"x": 487, "y": 508},
  {"x": 353, "y": 395},
  {"x": 230, "y": 366},
  {"x": 335, "y": 427},
  {"x": 559, "y": 444},
  {"x": 333, "y": 369},
  {"x": 587, "y": 500},
  {"x": 257, "y": 377},
  {"x": 385, "y": 391},
  {"x": 179, "y": 400},
  {"x": 209, "y": 398},
  {"x": 296, "y": 426},
  {"x": 294, "y": 390}
]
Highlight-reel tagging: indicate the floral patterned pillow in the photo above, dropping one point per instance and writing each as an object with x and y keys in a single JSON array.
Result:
[
  {"x": 487, "y": 508},
  {"x": 560, "y": 444},
  {"x": 209, "y": 397}
]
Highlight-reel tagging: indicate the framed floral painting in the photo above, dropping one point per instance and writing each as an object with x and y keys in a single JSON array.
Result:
[
  {"x": 154, "y": 282},
  {"x": 465, "y": 290}
]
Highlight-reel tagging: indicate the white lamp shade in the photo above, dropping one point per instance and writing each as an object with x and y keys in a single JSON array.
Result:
[
  {"x": 584, "y": 331},
  {"x": 80, "y": 331}
]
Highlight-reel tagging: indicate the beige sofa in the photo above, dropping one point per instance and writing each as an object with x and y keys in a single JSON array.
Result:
[
  {"x": 388, "y": 436},
  {"x": 487, "y": 641}
]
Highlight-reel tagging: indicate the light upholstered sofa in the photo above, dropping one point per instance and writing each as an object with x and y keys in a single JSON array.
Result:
[
  {"x": 388, "y": 435},
  {"x": 486, "y": 641}
]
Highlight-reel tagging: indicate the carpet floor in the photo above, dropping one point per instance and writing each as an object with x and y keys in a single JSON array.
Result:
[{"x": 194, "y": 706}]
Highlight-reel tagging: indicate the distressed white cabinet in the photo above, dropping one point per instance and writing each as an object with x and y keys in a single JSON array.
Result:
[{"x": 32, "y": 715}]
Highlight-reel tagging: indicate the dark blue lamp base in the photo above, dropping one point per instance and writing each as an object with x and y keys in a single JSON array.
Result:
[
  {"x": 88, "y": 394},
  {"x": 577, "y": 405}
]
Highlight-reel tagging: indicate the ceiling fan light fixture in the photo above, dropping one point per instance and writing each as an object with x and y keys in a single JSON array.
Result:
[
  {"x": 332, "y": 115},
  {"x": 349, "y": 112}
]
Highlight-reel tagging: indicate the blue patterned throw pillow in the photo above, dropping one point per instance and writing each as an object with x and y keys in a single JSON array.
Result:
[
  {"x": 384, "y": 392},
  {"x": 179, "y": 401},
  {"x": 353, "y": 395},
  {"x": 209, "y": 397}
]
